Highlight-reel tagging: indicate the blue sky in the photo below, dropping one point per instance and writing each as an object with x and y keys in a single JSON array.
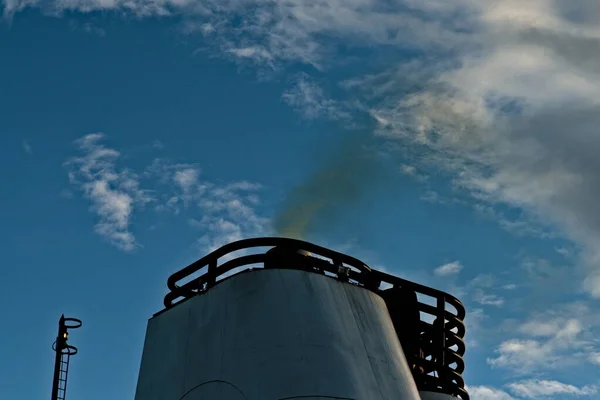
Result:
[{"x": 136, "y": 136}]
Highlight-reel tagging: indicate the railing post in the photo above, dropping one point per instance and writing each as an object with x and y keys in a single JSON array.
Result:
[
  {"x": 441, "y": 306},
  {"x": 211, "y": 277},
  {"x": 342, "y": 271}
]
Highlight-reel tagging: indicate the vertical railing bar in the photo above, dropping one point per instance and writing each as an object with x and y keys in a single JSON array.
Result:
[
  {"x": 441, "y": 306},
  {"x": 211, "y": 274}
]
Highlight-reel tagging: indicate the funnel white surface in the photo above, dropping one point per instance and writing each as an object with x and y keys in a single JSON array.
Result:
[{"x": 273, "y": 334}]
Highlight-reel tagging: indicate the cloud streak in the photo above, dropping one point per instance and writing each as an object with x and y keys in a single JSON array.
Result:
[
  {"x": 222, "y": 212},
  {"x": 488, "y": 393},
  {"x": 551, "y": 340},
  {"x": 113, "y": 193},
  {"x": 452, "y": 268},
  {"x": 310, "y": 100},
  {"x": 536, "y": 388}
]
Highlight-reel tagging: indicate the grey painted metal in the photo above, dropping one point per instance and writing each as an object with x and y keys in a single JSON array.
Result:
[
  {"x": 274, "y": 334},
  {"x": 436, "y": 396}
]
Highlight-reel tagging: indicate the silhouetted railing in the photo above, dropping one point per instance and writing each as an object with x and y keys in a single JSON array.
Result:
[{"x": 439, "y": 364}]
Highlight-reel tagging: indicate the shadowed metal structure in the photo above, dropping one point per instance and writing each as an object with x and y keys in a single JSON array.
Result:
[
  {"x": 64, "y": 351},
  {"x": 300, "y": 321}
]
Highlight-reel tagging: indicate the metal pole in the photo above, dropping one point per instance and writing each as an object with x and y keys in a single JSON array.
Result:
[
  {"x": 60, "y": 345},
  {"x": 62, "y": 348}
]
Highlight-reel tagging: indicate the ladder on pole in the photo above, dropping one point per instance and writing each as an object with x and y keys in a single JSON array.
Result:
[{"x": 64, "y": 351}]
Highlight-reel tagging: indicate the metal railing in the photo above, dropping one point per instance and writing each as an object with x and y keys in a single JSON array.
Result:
[{"x": 438, "y": 367}]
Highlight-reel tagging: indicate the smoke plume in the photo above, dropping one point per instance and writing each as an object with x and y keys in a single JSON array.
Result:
[{"x": 343, "y": 179}]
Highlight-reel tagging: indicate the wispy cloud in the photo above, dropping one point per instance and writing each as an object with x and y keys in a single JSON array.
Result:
[
  {"x": 493, "y": 120},
  {"x": 408, "y": 169},
  {"x": 484, "y": 298},
  {"x": 448, "y": 269},
  {"x": 307, "y": 97},
  {"x": 523, "y": 226},
  {"x": 488, "y": 393},
  {"x": 87, "y": 27},
  {"x": 473, "y": 322},
  {"x": 536, "y": 388},
  {"x": 554, "y": 339},
  {"x": 295, "y": 31},
  {"x": 413, "y": 172},
  {"x": 113, "y": 192},
  {"x": 594, "y": 358},
  {"x": 531, "y": 389},
  {"x": 256, "y": 53},
  {"x": 221, "y": 212},
  {"x": 229, "y": 215}
]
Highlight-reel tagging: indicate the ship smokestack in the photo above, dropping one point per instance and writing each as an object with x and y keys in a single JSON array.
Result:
[{"x": 311, "y": 323}]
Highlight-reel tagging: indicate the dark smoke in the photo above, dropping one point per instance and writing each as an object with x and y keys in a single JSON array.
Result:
[{"x": 343, "y": 180}]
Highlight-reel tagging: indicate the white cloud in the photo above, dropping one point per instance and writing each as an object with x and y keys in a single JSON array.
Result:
[
  {"x": 306, "y": 32},
  {"x": 186, "y": 178},
  {"x": 563, "y": 251},
  {"x": 594, "y": 358},
  {"x": 257, "y": 53},
  {"x": 413, "y": 172},
  {"x": 431, "y": 196},
  {"x": 408, "y": 169},
  {"x": 488, "y": 299},
  {"x": 227, "y": 211},
  {"x": 482, "y": 281},
  {"x": 473, "y": 323},
  {"x": 310, "y": 100},
  {"x": 112, "y": 192},
  {"x": 229, "y": 216},
  {"x": 452, "y": 268},
  {"x": 557, "y": 338},
  {"x": 521, "y": 226},
  {"x": 514, "y": 119},
  {"x": 553, "y": 327},
  {"x": 523, "y": 355},
  {"x": 536, "y": 388},
  {"x": 487, "y": 393}
]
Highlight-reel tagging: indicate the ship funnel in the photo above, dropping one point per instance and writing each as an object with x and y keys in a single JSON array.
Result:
[{"x": 299, "y": 321}]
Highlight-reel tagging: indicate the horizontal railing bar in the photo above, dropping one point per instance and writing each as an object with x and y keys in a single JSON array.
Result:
[{"x": 263, "y": 242}]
